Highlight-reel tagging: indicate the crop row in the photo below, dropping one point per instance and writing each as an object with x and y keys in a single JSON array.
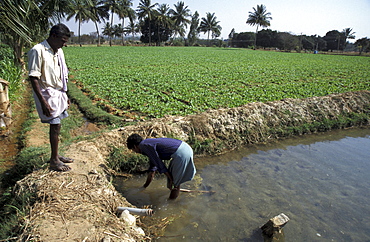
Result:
[{"x": 176, "y": 80}]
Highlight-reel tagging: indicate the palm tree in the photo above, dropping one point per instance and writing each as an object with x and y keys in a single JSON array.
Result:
[
  {"x": 108, "y": 30},
  {"x": 80, "y": 9},
  {"x": 146, "y": 10},
  {"x": 193, "y": 30},
  {"x": 13, "y": 17},
  {"x": 126, "y": 11},
  {"x": 119, "y": 31},
  {"x": 22, "y": 22},
  {"x": 179, "y": 17},
  {"x": 99, "y": 12},
  {"x": 114, "y": 7},
  {"x": 132, "y": 28},
  {"x": 210, "y": 24},
  {"x": 163, "y": 18},
  {"x": 348, "y": 34},
  {"x": 260, "y": 18},
  {"x": 56, "y": 9}
]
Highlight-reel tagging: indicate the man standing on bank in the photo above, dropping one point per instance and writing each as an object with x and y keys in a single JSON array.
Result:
[
  {"x": 181, "y": 168},
  {"x": 48, "y": 75}
]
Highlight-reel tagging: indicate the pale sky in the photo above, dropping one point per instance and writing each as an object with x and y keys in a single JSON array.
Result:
[{"x": 295, "y": 16}]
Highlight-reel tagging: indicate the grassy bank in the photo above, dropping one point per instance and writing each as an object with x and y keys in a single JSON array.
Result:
[{"x": 15, "y": 207}]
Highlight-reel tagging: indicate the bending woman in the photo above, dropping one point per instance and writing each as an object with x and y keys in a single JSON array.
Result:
[{"x": 181, "y": 168}]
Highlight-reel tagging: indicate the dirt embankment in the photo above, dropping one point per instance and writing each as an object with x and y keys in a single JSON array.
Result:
[{"x": 80, "y": 205}]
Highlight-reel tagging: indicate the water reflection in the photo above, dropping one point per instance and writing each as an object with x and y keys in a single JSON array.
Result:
[{"x": 321, "y": 182}]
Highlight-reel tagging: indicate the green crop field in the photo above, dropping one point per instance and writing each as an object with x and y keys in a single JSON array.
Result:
[{"x": 156, "y": 81}]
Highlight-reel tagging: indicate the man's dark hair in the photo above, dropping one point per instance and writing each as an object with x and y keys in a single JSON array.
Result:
[
  {"x": 133, "y": 140},
  {"x": 60, "y": 30}
]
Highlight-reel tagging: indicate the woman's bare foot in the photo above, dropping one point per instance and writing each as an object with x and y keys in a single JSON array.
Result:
[{"x": 175, "y": 193}]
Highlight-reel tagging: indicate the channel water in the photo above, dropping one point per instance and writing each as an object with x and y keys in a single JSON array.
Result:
[{"x": 320, "y": 181}]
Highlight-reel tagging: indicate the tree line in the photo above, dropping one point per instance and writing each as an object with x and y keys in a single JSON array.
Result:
[
  {"x": 267, "y": 38},
  {"x": 23, "y": 22}
]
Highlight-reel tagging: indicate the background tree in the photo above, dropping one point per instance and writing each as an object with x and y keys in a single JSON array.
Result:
[
  {"x": 23, "y": 22},
  {"x": 334, "y": 40},
  {"x": 99, "y": 12},
  {"x": 132, "y": 28},
  {"x": 114, "y": 7},
  {"x": 118, "y": 31},
  {"x": 80, "y": 9},
  {"x": 108, "y": 30},
  {"x": 125, "y": 11},
  {"x": 180, "y": 18},
  {"x": 231, "y": 34},
  {"x": 146, "y": 10},
  {"x": 348, "y": 34},
  {"x": 243, "y": 40},
  {"x": 259, "y": 17},
  {"x": 287, "y": 41},
  {"x": 363, "y": 44},
  {"x": 193, "y": 30},
  {"x": 158, "y": 32},
  {"x": 163, "y": 19},
  {"x": 267, "y": 38},
  {"x": 209, "y": 24},
  {"x": 308, "y": 42}
]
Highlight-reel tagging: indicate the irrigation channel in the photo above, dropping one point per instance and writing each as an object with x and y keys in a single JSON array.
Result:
[{"x": 321, "y": 182}]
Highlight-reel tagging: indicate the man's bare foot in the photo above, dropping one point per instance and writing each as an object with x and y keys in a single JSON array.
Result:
[
  {"x": 59, "y": 166},
  {"x": 65, "y": 159}
]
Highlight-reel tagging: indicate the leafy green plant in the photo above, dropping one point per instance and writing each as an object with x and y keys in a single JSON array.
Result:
[
  {"x": 185, "y": 80},
  {"x": 13, "y": 210},
  {"x": 6, "y": 52},
  {"x": 121, "y": 161},
  {"x": 199, "y": 147},
  {"x": 11, "y": 73}
]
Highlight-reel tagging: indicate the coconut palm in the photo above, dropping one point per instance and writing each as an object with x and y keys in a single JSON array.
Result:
[
  {"x": 126, "y": 11},
  {"x": 108, "y": 30},
  {"x": 259, "y": 17},
  {"x": 132, "y": 28},
  {"x": 348, "y": 34},
  {"x": 56, "y": 9},
  {"x": 180, "y": 18},
  {"x": 99, "y": 11},
  {"x": 80, "y": 10},
  {"x": 22, "y": 22},
  {"x": 163, "y": 18},
  {"x": 116, "y": 7},
  {"x": 209, "y": 24},
  {"x": 118, "y": 31},
  {"x": 193, "y": 30},
  {"x": 13, "y": 17},
  {"x": 146, "y": 10}
]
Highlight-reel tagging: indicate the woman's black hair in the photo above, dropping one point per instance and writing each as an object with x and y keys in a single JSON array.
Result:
[{"x": 133, "y": 140}]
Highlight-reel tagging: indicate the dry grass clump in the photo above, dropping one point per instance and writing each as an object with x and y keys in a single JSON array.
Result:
[{"x": 75, "y": 207}]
